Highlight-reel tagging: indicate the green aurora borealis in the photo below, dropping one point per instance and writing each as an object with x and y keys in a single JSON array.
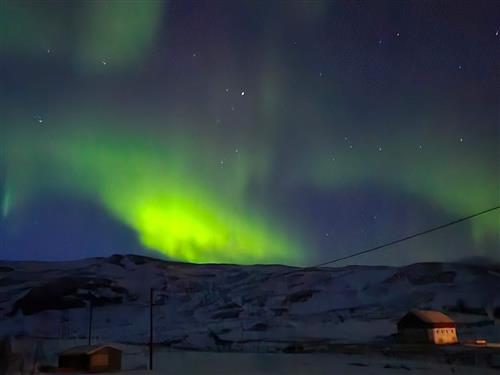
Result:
[
  {"x": 204, "y": 155},
  {"x": 161, "y": 189}
]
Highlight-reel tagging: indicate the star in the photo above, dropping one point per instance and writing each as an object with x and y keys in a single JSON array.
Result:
[
  {"x": 496, "y": 33},
  {"x": 350, "y": 146},
  {"x": 321, "y": 74},
  {"x": 461, "y": 139},
  {"x": 49, "y": 51},
  {"x": 103, "y": 62},
  {"x": 227, "y": 90},
  {"x": 460, "y": 67},
  {"x": 398, "y": 34},
  {"x": 242, "y": 93},
  {"x": 420, "y": 147},
  {"x": 194, "y": 54},
  {"x": 380, "y": 41},
  {"x": 236, "y": 150},
  {"x": 379, "y": 148}
]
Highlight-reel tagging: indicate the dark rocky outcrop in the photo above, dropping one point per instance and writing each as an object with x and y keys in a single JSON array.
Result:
[
  {"x": 64, "y": 293},
  {"x": 227, "y": 314},
  {"x": 300, "y": 296}
]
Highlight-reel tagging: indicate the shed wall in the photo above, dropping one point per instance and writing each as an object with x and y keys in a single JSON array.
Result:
[
  {"x": 103, "y": 360},
  {"x": 74, "y": 361},
  {"x": 106, "y": 359}
]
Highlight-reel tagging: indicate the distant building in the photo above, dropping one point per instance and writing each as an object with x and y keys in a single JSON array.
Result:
[
  {"x": 104, "y": 358},
  {"x": 427, "y": 326}
]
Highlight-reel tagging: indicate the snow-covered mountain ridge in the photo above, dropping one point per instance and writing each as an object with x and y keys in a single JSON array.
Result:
[{"x": 217, "y": 305}]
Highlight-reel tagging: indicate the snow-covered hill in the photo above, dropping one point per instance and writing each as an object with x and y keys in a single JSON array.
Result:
[{"x": 264, "y": 307}]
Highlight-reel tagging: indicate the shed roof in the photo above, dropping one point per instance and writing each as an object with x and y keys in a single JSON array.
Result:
[{"x": 86, "y": 349}]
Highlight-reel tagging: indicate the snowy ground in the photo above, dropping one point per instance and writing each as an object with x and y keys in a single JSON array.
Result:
[
  {"x": 318, "y": 363},
  {"x": 193, "y": 363},
  {"x": 366, "y": 360}
]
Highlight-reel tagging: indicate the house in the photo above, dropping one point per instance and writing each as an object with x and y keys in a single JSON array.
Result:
[
  {"x": 427, "y": 326},
  {"x": 94, "y": 358}
]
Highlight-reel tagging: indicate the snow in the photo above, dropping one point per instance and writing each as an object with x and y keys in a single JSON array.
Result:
[
  {"x": 202, "y": 363},
  {"x": 238, "y": 308}
]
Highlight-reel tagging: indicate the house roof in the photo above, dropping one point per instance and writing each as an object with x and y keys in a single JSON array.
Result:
[
  {"x": 432, "y": 316},
  {"x": 86, "y": 349},
  {"x": 426, "y": 319}
]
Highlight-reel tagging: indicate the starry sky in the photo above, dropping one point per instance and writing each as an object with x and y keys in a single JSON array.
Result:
[{"x": 249, "y": 131}]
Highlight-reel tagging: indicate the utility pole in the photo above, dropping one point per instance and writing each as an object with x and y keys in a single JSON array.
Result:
[
  {"x": 151, "y": 292},
  {"x": 91, "y": 308}
]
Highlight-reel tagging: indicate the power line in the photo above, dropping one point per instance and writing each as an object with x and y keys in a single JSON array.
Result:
[
  {"x": 358, "y": 253},
  {"x": 439, "y": 227},
  {"x": 387, "y": 244}
]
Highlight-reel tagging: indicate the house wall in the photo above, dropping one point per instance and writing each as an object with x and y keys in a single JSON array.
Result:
[
  {"x": 415, "y": 335},
  {"x": 442, "y": 336},
  {"x": 439, "y": 336}
]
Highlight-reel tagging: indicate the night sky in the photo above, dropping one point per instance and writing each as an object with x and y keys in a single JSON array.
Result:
[{"x": 249, "y": 131}]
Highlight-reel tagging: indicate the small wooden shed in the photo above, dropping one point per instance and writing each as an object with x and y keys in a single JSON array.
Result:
[
  {"x": 427, "y": 326},
  {"x": 94, "y": 358}
]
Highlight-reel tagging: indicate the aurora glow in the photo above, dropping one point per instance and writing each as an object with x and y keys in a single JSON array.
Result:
[
  {"x": 137, "y": 110},
  {"x": 173, "y": 208}
]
